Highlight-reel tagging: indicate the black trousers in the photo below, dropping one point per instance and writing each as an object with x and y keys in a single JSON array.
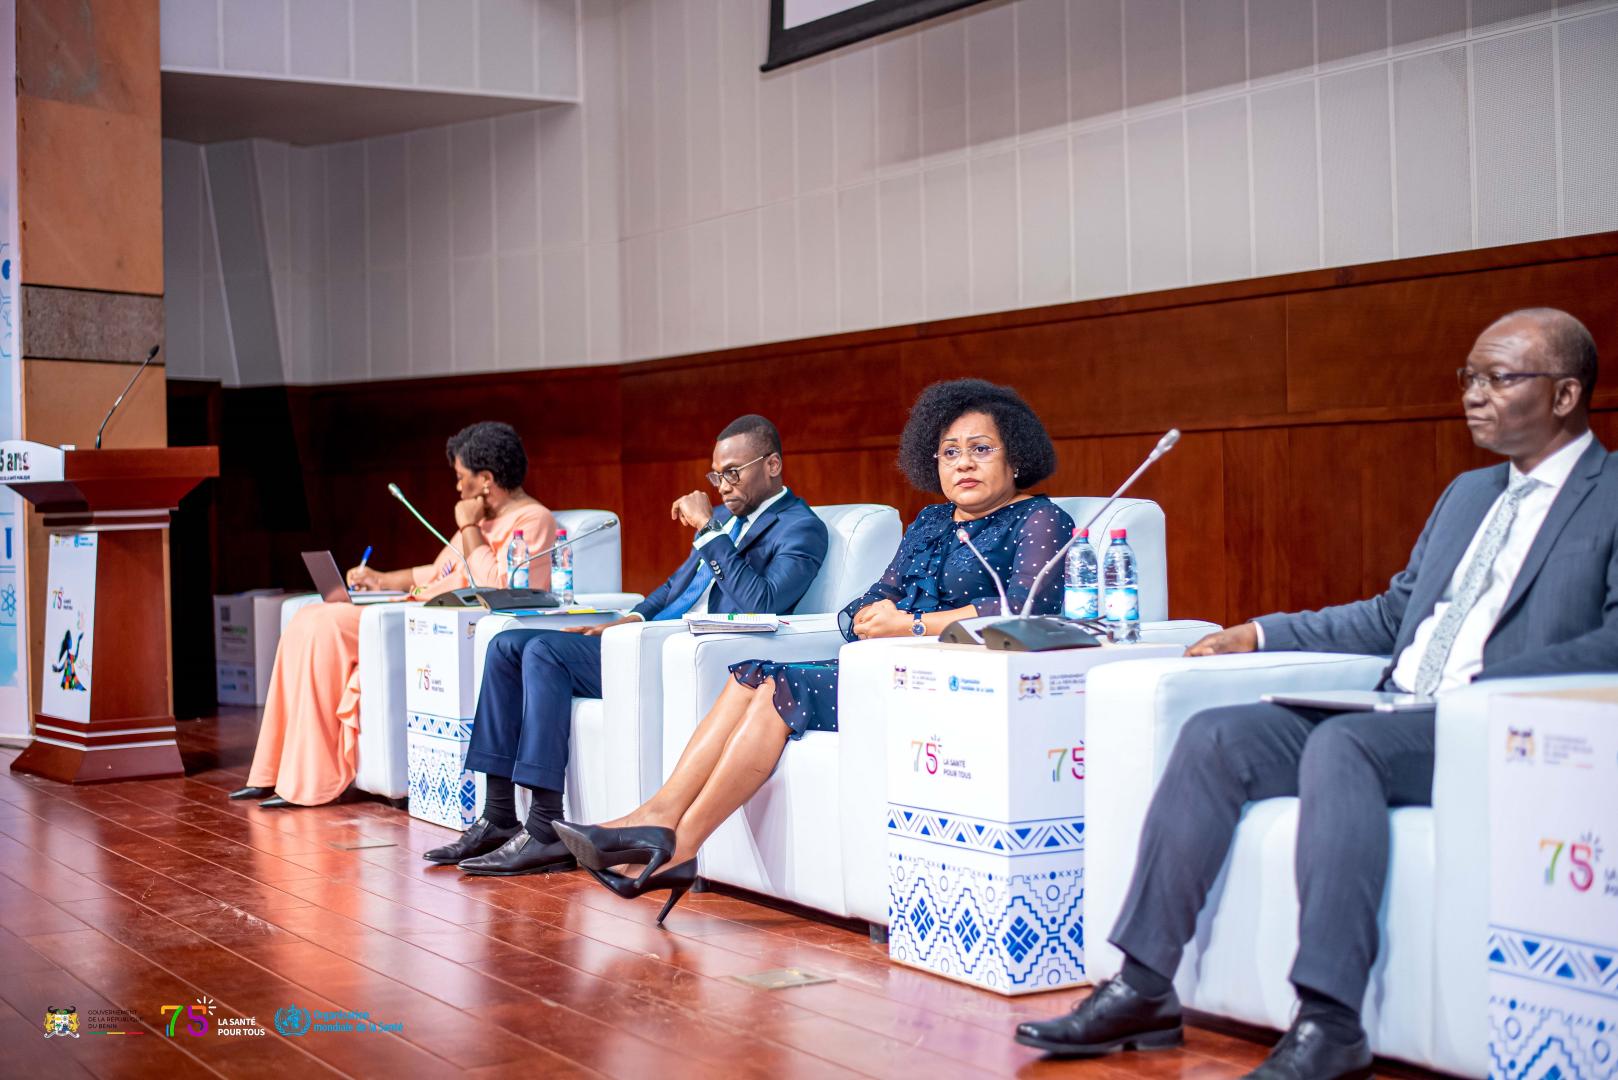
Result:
[
  {"x": 524, "y": 718},
  {"x": 1347, "y": 769}
]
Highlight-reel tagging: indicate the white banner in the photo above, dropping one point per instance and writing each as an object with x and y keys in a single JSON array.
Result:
[
  {"x": 14, "y": 706},
  {"x": 70, "y": 618}
]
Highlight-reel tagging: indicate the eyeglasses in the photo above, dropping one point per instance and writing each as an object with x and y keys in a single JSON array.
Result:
[
  {"x": 1496, "y": 381},
  {"x": 982, "y": 453},
  {"x": 733, "y": 475}
]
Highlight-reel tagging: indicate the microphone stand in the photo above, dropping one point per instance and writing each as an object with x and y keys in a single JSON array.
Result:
[
  {"x": 476, "y": 595},
  {"x": 1042, "y": 633},
  {"x": 127, "y": 387}
]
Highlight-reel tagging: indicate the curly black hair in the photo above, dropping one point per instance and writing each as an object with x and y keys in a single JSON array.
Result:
[
  {"x": 1028, "y": 445},
  {"x": 493, "y": 446}
]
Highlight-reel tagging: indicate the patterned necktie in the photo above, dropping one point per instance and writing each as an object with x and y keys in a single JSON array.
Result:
[{"x": 1473, "y": 583}]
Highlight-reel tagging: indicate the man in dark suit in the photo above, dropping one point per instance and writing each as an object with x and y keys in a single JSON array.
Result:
[
  {"x": 1515, "y": 573},
  {"x": 757, "y": 553}
]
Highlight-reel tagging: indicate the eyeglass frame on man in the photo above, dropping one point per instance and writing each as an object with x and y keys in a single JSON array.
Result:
[
  {"x": 733, "y": 475},
  {"x": 1495, "y": 381}
]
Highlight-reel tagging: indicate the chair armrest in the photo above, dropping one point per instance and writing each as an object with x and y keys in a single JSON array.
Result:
[
  {"x": 383, "y": 761},
  {"x": 695, "y": 667},
  {"x": 607, "y": 601},
  {"x": 1133, "y": 714},
  {"x": 294, "y": 604}
]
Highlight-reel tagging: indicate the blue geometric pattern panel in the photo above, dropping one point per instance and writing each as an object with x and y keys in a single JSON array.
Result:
[
  {"x": 1538, "y": 1030},
  {"x": 1014, "y": 927},
  {"x": 980, "y": 834},
  {"x": 441, "y": 789}
]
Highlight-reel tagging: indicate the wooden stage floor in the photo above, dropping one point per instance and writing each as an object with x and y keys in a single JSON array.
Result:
[{"x": 137, "y": 895}]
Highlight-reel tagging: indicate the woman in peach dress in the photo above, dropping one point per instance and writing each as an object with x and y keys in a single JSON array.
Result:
[{"x": 308, "y": 742}]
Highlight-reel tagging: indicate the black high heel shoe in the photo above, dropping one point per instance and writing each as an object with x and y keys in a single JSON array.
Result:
[
  {"x": 598, "y": 849},
  {"x": 251, "y": 793},
  {"x": 677, "y": 880}
]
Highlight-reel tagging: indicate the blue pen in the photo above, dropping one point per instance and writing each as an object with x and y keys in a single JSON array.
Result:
[{"x": 363, "y": 560}]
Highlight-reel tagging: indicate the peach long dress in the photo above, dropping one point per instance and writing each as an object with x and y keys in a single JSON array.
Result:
[{"x": 309, "y": 740}]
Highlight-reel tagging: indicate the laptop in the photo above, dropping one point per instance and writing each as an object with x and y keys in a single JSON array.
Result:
[
  {"x": 333, "y": 589},
  {"x": 1382, "y": 701}
]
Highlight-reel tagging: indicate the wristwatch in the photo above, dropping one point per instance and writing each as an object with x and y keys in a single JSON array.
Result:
[{"x": 918, "y": 628}]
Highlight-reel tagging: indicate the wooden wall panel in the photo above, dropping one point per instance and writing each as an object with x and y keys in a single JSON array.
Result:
[
  {"x": 1399, "y": 343},
  {"x": 1320, "y": 415}
]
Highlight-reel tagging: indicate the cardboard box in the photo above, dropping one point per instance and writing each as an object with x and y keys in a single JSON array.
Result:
[
  {"x": 247, "y": 631},
  {"x": 986, "y": 812},
  {"x": 1553, "y": 884}
]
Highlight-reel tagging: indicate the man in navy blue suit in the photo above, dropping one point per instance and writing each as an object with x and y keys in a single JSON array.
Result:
[{"x": 757, "y": 553}]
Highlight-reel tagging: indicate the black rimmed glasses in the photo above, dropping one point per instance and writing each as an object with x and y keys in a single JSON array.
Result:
[
  {"x": 1496, "y": 381},
  {"x": 982, "y": 453},
  {"x": 733, "y": 475}
]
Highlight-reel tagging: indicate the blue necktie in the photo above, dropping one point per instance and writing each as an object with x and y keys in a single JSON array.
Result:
[{"x": 700, "y": 581}]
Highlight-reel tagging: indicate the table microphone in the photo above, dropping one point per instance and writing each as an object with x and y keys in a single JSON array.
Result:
[
  {"x": 129, "y": 386},
  {"x": 1041, "y": 633},
  {"x": 393, "y": 489}
]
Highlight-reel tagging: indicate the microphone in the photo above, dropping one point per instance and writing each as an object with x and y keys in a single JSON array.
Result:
[
  {"x": 999, "y": 587},
  {"x": 1022, "y": 633},
  {"x": 1164, "y": 445},
  {"x": 393, "y": 489},
  {"x": 610, "y": 523},
  {"x": 127, "y": 388}
]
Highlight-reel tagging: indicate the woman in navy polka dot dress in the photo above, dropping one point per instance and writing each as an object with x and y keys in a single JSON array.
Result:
[{"x": 982, "y": 448}]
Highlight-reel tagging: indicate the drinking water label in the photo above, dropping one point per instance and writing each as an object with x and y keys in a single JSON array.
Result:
[
  {"x": 1079, "y": 602},
  {"x": 1123, "y": 604}
]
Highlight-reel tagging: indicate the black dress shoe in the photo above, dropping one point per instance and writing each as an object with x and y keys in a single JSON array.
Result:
[
  {"x": 1308, "y": 1052},
  {"x": 275, "y": 802},
  {"x": 482, "y": 838},
  {"x": 1115, "y": 1017},
  {"x": 601, "y": 849},
  {"x": 251, "y": 793},
  {"x": 522, "y": 854}
]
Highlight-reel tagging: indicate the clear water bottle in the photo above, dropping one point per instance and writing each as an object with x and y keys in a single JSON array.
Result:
[
  {"x": 1121, "y": 584},
  {"x": 1081, "y": 592},
  {"x": 517, "y": 562},
  {"x": 562, "y": 569}
]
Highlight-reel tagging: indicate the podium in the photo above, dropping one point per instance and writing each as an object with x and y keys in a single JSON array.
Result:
[{"x": 105, "y": 709}]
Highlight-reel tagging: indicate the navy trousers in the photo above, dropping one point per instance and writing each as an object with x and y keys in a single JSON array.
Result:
[
  {"x": 525, "y": 707},
  {"x": 1347, "y": 769}
]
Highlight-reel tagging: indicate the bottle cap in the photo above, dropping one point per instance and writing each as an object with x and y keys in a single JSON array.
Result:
[
  {"x": 560, "y": 532},
  {"x": 517, "y": 535},
  {"x": 1084, "y": 534},
  {"x": 1120, "y": 534}
]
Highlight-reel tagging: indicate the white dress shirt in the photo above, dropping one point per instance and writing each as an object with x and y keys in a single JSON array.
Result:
[
  {"x": 735, "y": 533},
  {"x": 1466, "y": 653}
]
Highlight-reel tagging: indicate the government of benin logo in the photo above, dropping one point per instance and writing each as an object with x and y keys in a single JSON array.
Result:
[
  {"x": 901, "y": 678},
  {"x": 1519, "y": 744},
  {"x": 1030, "y": 686},
  {"x": 59, "y": 1021},
  {"x": 292, "y": 1020}
]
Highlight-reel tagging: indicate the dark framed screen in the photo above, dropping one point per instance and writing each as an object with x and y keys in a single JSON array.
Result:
[{"x": 803, "y": 28}]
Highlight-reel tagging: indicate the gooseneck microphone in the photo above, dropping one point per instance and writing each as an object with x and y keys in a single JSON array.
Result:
[
  {"x": 127, "y": 388},
  {"x": 1164, "y": 445},
  {"x": 1021, "y": 632},
  {"x": 999, "y": 587},
  {"x": 610, "y": 523},
  {"x": 393, "y": 489}
]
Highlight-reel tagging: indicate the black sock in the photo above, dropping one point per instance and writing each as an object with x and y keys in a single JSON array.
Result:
[
  {"x": 1340, "y": 1022},
  {"x": 546, "y": 808},
  {"x": 499, "y": 801},
  {"x": 1143, "y": 980}
]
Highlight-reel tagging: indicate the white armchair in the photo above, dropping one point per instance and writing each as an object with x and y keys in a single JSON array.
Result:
[
  {"x": 1427, "y": 1000},
  {"x": 616, "y": 758},
  {"x": 382, "y": 767},
  {"x": 812, "y": 834}
]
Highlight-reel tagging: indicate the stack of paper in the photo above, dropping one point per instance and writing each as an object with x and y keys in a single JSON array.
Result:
[{"x": 732, "y": 624}]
